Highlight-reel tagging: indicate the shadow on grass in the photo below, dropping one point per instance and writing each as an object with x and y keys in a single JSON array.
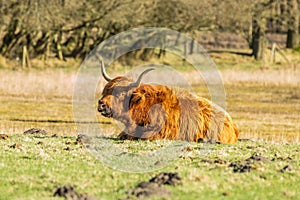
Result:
[{"x": 56, "y": 121}]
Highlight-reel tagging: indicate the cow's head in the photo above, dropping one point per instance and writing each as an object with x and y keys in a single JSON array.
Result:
[{"x": 117, "y": 94}]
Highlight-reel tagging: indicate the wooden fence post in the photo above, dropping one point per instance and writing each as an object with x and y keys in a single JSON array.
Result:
[{"x": 25, "y": 58}]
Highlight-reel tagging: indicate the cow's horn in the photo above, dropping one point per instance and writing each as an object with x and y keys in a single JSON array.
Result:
[
  {"x": 138, "y": 81},
  {"x": 104, "y": 74}
]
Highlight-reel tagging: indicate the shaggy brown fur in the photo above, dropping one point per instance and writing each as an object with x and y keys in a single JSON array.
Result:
[{"x": 160, "y": 112}]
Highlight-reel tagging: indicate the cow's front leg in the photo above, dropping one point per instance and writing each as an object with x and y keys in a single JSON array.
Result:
[{"x": 125, "y": 136}]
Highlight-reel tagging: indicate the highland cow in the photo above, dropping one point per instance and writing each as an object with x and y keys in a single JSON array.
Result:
[{"x": 161, "y": 112}]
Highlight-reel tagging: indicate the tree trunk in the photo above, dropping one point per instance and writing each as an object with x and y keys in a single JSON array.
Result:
[
  {"x": 58, "y": 46},
  {"x": 10, "y": 37},
  {"x": 292, "y": 40},
  {"x": 192, "y": 47},
  {"x": 258, "y": 37}
]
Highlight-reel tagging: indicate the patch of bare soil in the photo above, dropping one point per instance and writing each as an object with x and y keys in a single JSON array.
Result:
[
  {"x": 147, "y": 189},
  {"x": 82, "y": 138},
  {"x": 286, "y": 168},
  {"x": 69, "y": 193},
  {"x": 217, "y": 161},
  {"x": 16, "y": 146},
  {"x": 165, "y": 178},
  {"x": 257, "y": 157},
  {"x": 220, "y": 161},
  {"x": 35, "y": 131},
  {"x": 154, "y": 187},
  {"x": 240, "y": 168},
  {"x": 247, "y": 165},
  {"x": 3, "y": 137}
]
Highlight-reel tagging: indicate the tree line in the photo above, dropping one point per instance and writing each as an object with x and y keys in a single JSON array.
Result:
[{"x": 62, "y": 29}]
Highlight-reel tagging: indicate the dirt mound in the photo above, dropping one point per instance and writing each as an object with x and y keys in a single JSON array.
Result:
[
  {"x": 66, "y": 191},
  {"x": 69, "y": 193},
  {"x": 165, "y": 178},
  {"x": 220, "y": 161},
  {"x": 3, "y": 137},
  {"x": 257, "y": 157},
  {"x": 246, "y": 165},
  {"x": 35, "y": 131},
  {"x": 147, "y": 189},
  {"x": 286, "y": 168},
  {"x": 82, "y": 138},
  {"x": 154, "y": 187},
  {"x": 216, "y": 161},
  {"x": 16, "y": 146},
  {"x": 240, "y": 168}
]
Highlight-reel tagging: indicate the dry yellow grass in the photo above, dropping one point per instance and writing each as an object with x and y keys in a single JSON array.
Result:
[
  {"x": 37, "y": 83},
  {"x": 60, "y": 83},
  {"x": 265, "y": 77},
  {"x": 265, "y": 104}
]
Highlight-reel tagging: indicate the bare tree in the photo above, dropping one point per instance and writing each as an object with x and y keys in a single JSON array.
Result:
[
  {"x": 292, "y": 24},
  {"x": 71, "y": 29}
]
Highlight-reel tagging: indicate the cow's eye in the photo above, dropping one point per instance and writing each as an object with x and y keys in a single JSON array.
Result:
[{"x": 122, "y": 94}]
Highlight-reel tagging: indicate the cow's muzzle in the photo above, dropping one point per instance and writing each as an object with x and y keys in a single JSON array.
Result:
[{"x": 104, "y": 109}]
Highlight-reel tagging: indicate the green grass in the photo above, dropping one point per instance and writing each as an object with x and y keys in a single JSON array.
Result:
[
  {"x": 268, "y": 114},
  {"x": 34, "y": 170}
]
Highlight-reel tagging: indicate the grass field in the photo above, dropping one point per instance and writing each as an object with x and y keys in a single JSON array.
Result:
[
  {"x": 41, "y": 164},
  {"x": 265, "y": 106}
]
